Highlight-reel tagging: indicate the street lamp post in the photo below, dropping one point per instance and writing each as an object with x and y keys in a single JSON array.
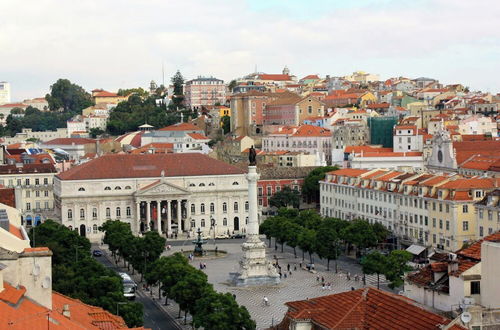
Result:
[{"x": 213, "y": 224}]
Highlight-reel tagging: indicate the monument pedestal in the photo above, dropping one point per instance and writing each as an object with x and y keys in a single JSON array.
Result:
[{"x": 255, "y": 269}]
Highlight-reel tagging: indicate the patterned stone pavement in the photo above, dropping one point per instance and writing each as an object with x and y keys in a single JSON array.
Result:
[{"x": 302, "y": 284}]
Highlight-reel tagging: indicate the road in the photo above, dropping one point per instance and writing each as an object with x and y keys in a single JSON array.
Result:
[{"x": 154, "y": 317}]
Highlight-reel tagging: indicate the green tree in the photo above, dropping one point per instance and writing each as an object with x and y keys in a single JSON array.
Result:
[
  {"x": 68, "y": 96},
  {"x": 397, "y": 266},
  {"x": 76, "y": 274},
  {"x": 14, "y": 125},
  {"x": 360, "y": 233},
  {"x": 95, "y": 132},
  {"x": 292, "y": 236},
  {"x": 310, "y": 188},
  {"x": 226, "y": 124},
  {"x": 232, "y": 85},
  {"x": 285, "y": 198},
  {"x": 189, "y": 289},
  {"x": 178, "y": 97},
  {"x": 328, "y": 240},
  {"x": 265, "y": 228},
  {"x": 219, "y": 311},
  {"x": 17, "y": 111},
  {"x": 380, "y": 232},
  {"x": 137, "y": 91},
  {"x": 309, "y": 219},
  {"x": 307, "y": 242},
  {"x": 374, "y": 263}
]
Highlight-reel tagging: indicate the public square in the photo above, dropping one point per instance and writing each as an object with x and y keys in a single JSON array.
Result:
[{"x": 302, "y": 284}]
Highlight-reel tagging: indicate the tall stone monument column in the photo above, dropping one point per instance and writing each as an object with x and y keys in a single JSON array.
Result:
[{"x": 255, "y": 269}]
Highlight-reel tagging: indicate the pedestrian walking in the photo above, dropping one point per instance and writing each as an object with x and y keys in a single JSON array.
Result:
[
  {"x": 300, "y": 265},
  {"x": 322, "y": 279},
  {"x": 285, "y": 275},
  {"x": 317, "y": 278},
  {"x": 295, "y": 268},
  {"x": 290, "y": 273},
  {"x": 265, "y": 301},
  {"x": 288, "y": 267},
  {"x": 201, "y": 265},
  {"x": 348, "y": 276}
]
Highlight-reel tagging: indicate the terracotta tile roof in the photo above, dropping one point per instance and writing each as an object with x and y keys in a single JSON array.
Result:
[
  {"x": 37, "y": 249},
  {"x": 103, "y": 93},
  {"x": 311, "y": 76},
  {"x": 112, "y": 166},
  {"x": 198, "y": 136},
  {"x": 311, "y": 130},
  {"x": 27, "y": 168},
  {"x": 69, "y": 141},
  {"x": 15, "y": 231},
  {"x": 439, "y": 267},
  {"x": 474, "y": 251},
  {"x": 13, "y": 105},
  {"x": 10, "y": 294},
  {"x": 389, "y": 176},
  {"x": 359, "y": 149},
  {"x": 471, "y": 183},
  {"x": 8, "y": 196},
  {"x": 154, "y": 148},
  {"x": 434, "y": 181},
  {"x": 181, "y": 127},
  {"x": 134, "y": 139},
  {"x": 424, "y": 276},
  {"x": 479, "y": 162},
  {"x": 463, "y": 265},
  {"x": 366, "y": 308},
  {"x": 353, "y": 172},
  {"x": 378, "y": 105},
  {"x": 286, "y": 99},
  {"x": 277, "y": 77}
]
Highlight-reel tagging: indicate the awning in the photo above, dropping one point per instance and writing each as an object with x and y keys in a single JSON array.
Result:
[{"x": 416, "y": 249}]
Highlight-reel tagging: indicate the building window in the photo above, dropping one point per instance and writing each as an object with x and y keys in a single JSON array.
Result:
[
  {"x": 45, "y": 181},
  {"x": 201, "y": 185},
  {"x": 246, "y": 206},
  {"x": 128, "y": 187},
  {"x": 203, "y": 222},
  {"x": 475, "y": 287},
  {"x": 81, "y": 189},
  {"x": 70, "y": 214},
  {"x": 129, "y": 211},
  {"x": 118, "y": 212},
  {"x": 212, "y": 208},
  {"x": 236, "y": 207},
  {"x": 94, "y": 229},
  {"x": 434, "y": 238},
  {"x": 481, "y": 233},
  {"x": 447, "y": 225},
  {"x": 465, "y": 225},
  {"x": 202, "y": 208},
  {"x": 118, "y": 188},
  {"x": 224, "y": 207},
  {"x": 465, "y": 208},
  {"x": 235, "y": 183},
  {"x": 94, "y": 213},
  {"x": 82, "y": 214},
  {"x": 224, "y": 222},
  {"x": 108, "y": 212},
  {"x": 193, "y": 209},
  {"x": 440, "y": 224},
  {"x": 107, "y": 188},
  {"x": 269, "y": 190},
  {"x": 27, "y": 182},
  {"x": 46, "y": 193}
]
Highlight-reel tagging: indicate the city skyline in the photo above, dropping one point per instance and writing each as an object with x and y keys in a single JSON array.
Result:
[{"x": 118, "y": 45}]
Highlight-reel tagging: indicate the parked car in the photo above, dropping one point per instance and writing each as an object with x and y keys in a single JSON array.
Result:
[
  {"x": 97, "y": 253},
  {"x": 222, "y": 236},
  {"x": 238, "y": 235}
]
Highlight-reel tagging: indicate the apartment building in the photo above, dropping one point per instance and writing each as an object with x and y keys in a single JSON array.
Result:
[
  {"x": 33, "y": 184},
  {"x": 488, "y": 214},
  {"x": 204, "y": 91},
  {"x": 420, "y": 208}
]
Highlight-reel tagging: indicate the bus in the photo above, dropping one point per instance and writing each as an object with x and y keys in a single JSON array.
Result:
[{"x": 129, "y": 286}]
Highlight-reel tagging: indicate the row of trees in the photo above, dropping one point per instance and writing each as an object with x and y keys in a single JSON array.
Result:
[
  {"x": 76, "y": 274},
  {"x": 328, "y": 237},
  {"x": 176, "y": 279}
]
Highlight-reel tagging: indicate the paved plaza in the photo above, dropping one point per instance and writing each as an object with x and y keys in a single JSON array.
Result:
[{"x": 302, "y": 284}]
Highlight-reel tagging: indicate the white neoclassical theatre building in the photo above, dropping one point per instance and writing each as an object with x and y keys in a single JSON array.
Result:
[{"x": 169, "y": 193}]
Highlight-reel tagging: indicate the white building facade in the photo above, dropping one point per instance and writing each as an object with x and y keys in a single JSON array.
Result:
[
  {"x": 168, "y": 193},
  {"x": 4, "y": 92}
]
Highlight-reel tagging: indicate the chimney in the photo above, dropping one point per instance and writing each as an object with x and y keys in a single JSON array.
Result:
[{"x": 66, "y": 311}]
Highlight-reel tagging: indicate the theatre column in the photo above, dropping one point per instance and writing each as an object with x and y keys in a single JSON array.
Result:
[
  {"x": 158, "y": 216},
  {"x": 138, "y": 217},
  {"x": 179, "y": 221},
  {"x": 169, "y": 218},
  {"x": 148, "y": 215}
]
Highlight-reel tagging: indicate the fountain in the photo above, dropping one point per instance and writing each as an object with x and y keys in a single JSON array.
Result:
[{"x": 198, "y": 249}]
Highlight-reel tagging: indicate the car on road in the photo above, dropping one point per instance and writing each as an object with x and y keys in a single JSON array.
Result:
[
  {"x": 238, "y": 235},
  {"x": 97, "y": 253},
  {"x": 222, "y": 236},
  {"x": 129, "y": 286}
]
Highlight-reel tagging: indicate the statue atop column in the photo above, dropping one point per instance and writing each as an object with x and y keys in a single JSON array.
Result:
[{"x": 252, "y": 157}]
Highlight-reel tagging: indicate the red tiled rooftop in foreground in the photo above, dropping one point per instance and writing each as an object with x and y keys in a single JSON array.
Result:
[
  {"x": 114, "y": 166},
  {"x": 366, "y": 308},
  {"x": 10, "y": 294},
  {"x": 474, "y": 251},
  {"x": 15, "y": 231}
]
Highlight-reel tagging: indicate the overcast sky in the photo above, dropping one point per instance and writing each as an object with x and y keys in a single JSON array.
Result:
[{"x": 115, "y": 44}]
